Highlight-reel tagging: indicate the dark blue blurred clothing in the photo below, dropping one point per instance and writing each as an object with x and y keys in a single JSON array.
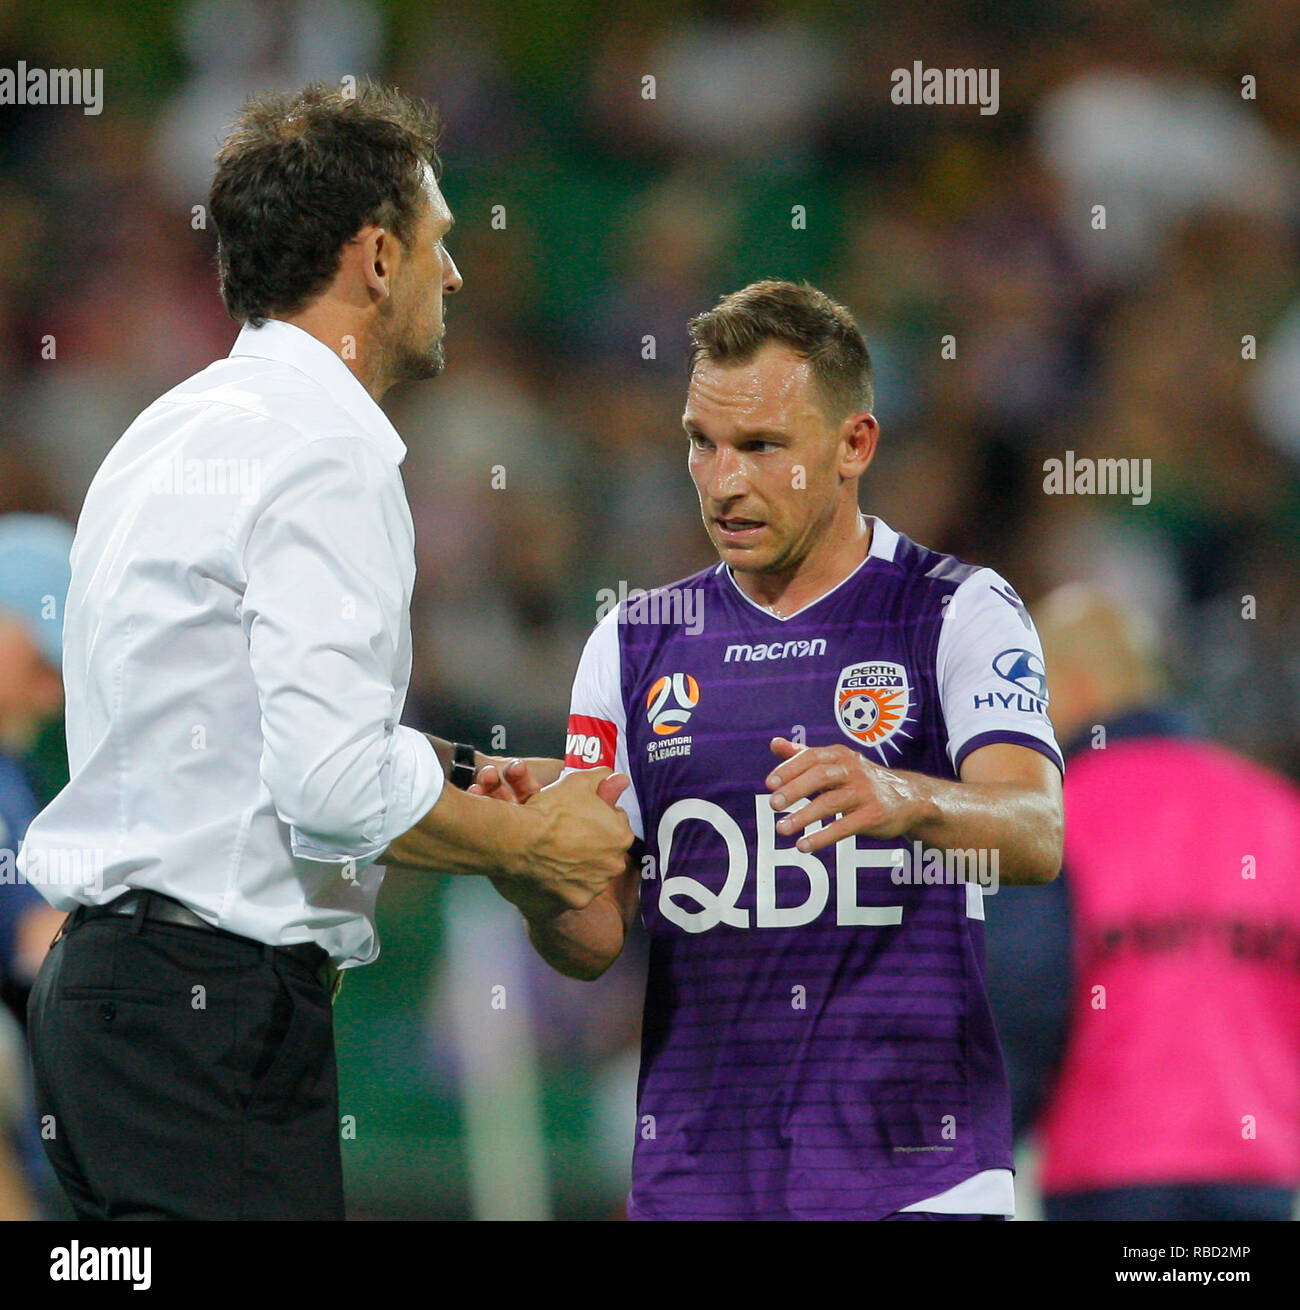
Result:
[
  {"x": 1177, "y": 1201},
  {"x": 1028, "y": 974},
  {"x": 18, "y": 808},
  {"x": 1028, "y": 949}
]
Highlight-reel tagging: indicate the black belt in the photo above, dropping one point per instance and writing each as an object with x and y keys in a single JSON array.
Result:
[{"x": 157, "y": 908}]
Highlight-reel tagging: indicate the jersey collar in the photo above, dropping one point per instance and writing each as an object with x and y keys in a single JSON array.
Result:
[{"x": 884, "y": 542}]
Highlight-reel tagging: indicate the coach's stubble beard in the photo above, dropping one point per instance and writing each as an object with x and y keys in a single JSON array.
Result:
[
  {"x": 409, "y": 355},
  {"x": 412, "y": 364}
]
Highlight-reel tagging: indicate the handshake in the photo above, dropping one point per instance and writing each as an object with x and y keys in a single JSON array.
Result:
[
  {"x": 589, "y": 835},
  {"x": 547, "y": 849}
]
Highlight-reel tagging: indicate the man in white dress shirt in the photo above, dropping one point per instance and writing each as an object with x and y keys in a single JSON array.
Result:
[{"x": 236, "y": 655}]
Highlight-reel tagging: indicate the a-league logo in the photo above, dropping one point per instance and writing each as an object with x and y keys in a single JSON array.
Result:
[
  {"x": 872, "y": 701},
  {"x": 670, "y": 701}
]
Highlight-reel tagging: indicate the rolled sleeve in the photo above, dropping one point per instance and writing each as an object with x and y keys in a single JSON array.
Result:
[
  {"x": 417, "y": 783},
  {"x": 329, "y": 567}
]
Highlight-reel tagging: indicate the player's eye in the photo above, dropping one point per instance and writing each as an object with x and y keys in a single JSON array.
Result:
[{"x": 698, "y": 441}]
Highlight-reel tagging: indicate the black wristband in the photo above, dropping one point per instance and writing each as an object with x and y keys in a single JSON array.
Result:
[{"x": 463, "y": 767}]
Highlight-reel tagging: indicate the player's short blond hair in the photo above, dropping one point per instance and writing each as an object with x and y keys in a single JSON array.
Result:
[{"x": 802, "y": 317}]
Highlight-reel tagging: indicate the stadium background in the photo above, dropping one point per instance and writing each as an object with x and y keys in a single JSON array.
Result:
[{"x": 624, "y": 216}]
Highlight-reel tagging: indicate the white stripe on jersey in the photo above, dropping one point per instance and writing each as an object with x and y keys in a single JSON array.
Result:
[{"x": 598, "y": 693}]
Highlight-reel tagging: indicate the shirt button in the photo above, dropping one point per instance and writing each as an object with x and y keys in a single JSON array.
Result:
[{"x": 108, "y": 1011}]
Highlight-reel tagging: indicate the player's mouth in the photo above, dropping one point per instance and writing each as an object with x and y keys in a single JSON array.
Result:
[{"x": 737, "y": 531}]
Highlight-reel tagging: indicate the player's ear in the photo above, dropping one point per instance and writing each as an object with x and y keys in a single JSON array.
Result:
[{"x": 859, "y": 436}]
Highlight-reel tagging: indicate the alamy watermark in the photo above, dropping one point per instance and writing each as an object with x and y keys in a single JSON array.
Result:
[
  {"x": 53, "y": 866},
  {"x": 927, "y": 866},
  {"x": 1073, "y": 476},
  {"x": 53, "y": 86},
  {"x": 177, "y": 476},
  {"x": 76, "y": 1263},
  {"x": 919, "y": 85},
  {"x": 676, "y": 606}
]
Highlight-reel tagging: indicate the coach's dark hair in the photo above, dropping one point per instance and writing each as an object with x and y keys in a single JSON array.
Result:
[
  {"x": 300, "y": 175},
  {"x": 807, "y": 320}
]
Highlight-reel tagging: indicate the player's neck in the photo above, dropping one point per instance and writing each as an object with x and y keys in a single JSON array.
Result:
[{"x": 819, "y": 572}]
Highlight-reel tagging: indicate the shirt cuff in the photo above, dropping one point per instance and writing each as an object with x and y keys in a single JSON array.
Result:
[
  {"x": 416, "y": 782},
  {"x": 420, "y": 781}
]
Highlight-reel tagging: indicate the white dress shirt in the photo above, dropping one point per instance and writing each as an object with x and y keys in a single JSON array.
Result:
[{"x": 237, "y": 650}]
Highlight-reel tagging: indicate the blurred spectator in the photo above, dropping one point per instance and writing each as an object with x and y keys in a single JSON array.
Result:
[
  {"x": 235, "y": 50},
  {"x": 1178, "y": 1094},
  {"x": 708, "y": 69},
  {"x": 34, "y": 574},
  {"x": 667, "y": 253},
  {"x": 1153, "y": 147},
  {"x": 16, "y": 1200},
  {"x": 1276, "y": 392}
]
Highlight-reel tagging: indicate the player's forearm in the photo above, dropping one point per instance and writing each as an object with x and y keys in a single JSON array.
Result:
[
  {"x": 580, "y": 943},
  {"x": 1022, "y": 824}
]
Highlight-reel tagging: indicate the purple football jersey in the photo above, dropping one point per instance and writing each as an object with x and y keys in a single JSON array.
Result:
[{"x": 817, "y": 1040}]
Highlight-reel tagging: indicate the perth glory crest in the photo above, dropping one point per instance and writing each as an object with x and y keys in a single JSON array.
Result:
[{"x": 872, "y": 703}]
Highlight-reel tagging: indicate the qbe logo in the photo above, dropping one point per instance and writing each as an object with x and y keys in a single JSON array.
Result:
[
  {"x": 670, "y": 701},
  {"x": 761, "y": 884}
]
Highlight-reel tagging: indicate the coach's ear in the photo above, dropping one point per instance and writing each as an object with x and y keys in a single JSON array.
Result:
[
  {"x": 859, "y": 436},
  {"x": 376, "y": 252}
]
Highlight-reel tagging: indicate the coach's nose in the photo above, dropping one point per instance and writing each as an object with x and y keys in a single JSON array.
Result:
[{"x": 451, "y": 278}]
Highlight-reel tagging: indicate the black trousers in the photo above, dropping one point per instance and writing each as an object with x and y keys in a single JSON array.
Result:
[{"x": 183, "y": 1074}]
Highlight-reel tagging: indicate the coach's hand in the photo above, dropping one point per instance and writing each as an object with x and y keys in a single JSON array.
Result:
[
  {"x": 584, "y": 839},
  {"x": 869, "y": 799}
]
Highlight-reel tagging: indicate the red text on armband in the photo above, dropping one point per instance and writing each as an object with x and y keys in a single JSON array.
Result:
[{"x": 590, "y": 743}]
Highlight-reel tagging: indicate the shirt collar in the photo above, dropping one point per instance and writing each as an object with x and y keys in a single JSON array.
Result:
[
  {"x": 286, "y": 344},
  {"x": 884, "y": 540}
]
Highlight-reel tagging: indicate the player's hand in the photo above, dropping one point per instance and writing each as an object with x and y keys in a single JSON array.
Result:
[
  {"x": 583, "y": 845},
  {"x": 869, "y": 799},
  {"x": 515, "y": 780}
]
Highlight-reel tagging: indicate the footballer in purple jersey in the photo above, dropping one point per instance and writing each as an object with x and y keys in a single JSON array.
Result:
[{"x": 817, "y": 1041}]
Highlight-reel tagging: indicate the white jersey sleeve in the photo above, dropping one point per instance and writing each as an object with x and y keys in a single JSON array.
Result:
[
  {"x": 597, "y": 732},
  {"x": 990, "y": 671}
]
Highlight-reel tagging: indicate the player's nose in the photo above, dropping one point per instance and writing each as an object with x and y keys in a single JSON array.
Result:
[{"x": 726, "y": 476}]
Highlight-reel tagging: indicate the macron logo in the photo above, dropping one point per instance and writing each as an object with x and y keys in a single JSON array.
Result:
[
  {"x": 776, "y": 650},
  {"x": 102, "y": 1264}
]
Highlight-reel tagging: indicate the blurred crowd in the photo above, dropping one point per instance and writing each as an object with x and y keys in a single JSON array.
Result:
[{"x": 1112, "y": 256}]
